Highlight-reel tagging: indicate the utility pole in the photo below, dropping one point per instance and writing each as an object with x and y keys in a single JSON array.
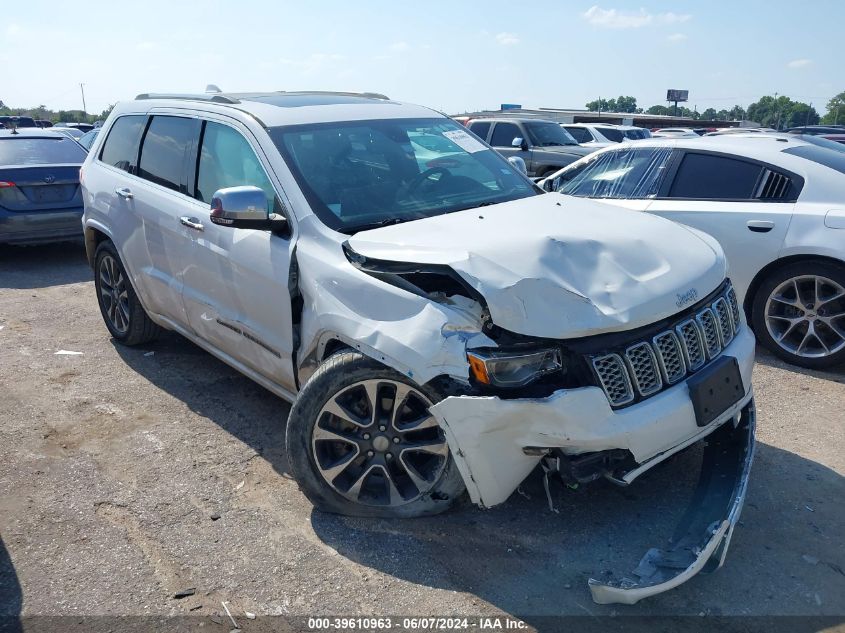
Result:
[
  {"x": 82, "y": 90},
  {"x": 807, "y": 122}
]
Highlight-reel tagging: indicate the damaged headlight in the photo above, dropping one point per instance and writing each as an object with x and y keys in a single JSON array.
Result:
[{"x": 499, "y": 368}]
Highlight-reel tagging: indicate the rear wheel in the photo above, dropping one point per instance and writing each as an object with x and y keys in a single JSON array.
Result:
[
  {"x": 799, "y": 314},
  {"x": 122, "y": 311},
  {"x": 361, "y": 441}
]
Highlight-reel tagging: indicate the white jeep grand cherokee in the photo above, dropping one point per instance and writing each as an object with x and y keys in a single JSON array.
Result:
[{"x": 438, "y": 322}]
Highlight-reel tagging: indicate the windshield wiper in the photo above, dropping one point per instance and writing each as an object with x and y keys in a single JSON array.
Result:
[{"x": 377, "y": 225}]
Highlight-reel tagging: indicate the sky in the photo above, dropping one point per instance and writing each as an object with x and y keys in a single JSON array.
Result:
[{"x": 455, "y": 56}]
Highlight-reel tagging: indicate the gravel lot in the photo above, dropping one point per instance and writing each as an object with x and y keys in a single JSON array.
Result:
[{"x": 128, "y": 475}]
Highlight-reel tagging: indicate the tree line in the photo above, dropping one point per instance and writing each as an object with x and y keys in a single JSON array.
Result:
[
  {"x": 43, "y": 113},
  {"x": 777, "y": 112}
]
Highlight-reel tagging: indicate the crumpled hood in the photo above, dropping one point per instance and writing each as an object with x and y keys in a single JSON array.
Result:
[{"x": 561, "y": 267}]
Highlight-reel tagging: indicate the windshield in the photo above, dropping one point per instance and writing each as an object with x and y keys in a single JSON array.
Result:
[
  {"x": 548, "y": 134},
  {"x": 40, "y": 151},
  {"x": 362, "y": 174}
]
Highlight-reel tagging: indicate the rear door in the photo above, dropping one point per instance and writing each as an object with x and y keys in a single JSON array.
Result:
[
  {"x": 160, "y": 202},
  {"x": 236, "y": 289},
  {"x": 746, "y": 205}
]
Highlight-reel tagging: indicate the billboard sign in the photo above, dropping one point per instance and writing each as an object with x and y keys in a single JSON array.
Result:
[{"x": 677, "y": 95}]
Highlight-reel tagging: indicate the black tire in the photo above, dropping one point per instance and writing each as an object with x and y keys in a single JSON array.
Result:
[
  {"x": 337, "y": 375},
  {"x": 827, "y": 270},
  {"x": 132, "y": 326}
]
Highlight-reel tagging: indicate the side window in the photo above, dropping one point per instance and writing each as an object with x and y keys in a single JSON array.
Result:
[
  {"x": 121, "y": 147},
  {"x": 163, "y": 150},
  {"x": 611, "y": 134},
  {"x": 580, "y": 134},
  {"x": 480, "y": 129},
  {"x": 622, "y": 174},
  {"x": 504, "y": 134},
  {"x": 711, "y": 177},
  {"x": 227, "y": 160}
]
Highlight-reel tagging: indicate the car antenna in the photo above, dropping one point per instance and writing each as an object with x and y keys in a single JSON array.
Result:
[{"x": 212, "y": 89}]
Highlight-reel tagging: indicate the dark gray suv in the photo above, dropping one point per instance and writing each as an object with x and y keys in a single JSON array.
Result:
[{"x": 543, "y": 145}]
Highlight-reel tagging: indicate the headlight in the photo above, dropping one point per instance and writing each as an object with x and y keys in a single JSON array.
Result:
[{"x": 512, "y": 369}]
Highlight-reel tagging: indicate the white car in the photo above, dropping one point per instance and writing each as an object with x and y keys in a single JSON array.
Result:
[
  {"x": 776, "y": 203},
  {"x": 741, "y": 130},
  {"x": 675, "y": 132},
  {"x": 439, "y": 324},
  {"x": 604, "y": 134}
]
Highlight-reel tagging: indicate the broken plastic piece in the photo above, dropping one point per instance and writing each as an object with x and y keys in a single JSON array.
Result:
[{"x": 701, "y": 539}]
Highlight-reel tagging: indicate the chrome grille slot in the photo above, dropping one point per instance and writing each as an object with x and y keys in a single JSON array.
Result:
[
  {"x": 614, "y": 379},
  {"x": 734, "y": 308},
  {"x": 644, "y": 370},
  {"x": 693, "y": 345},
  {"x": 670, "y": 357},
  {"x": 710, "y": 332},
  {"x": 723, "y": 314}
]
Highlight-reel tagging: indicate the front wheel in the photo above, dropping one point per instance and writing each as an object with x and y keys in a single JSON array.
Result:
[
  {"x": 361, "y": 441},
  {"x": 799, "y": 314}
]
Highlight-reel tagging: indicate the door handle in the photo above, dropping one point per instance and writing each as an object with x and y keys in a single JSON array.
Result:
[
  {"x": 193, "y": 223},
  {"x": 760, "y": 226},
  {"x": 124, "y": 193}
]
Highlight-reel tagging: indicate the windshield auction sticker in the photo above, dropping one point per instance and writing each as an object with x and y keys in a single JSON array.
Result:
[{"x": 464, "y": 141}]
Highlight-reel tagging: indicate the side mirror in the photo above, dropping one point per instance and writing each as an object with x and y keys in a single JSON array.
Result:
[
  {"x": 518, "y": 164},
  {"x": 244, "y": 208},
  {"x": 520, "y": 142}
]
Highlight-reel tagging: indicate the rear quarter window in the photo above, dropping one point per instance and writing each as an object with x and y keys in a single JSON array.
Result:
[
  {"x": 480, "y": 130},
  {"x": 40, "y": 151},
  {"x": 121, "y": 146}
]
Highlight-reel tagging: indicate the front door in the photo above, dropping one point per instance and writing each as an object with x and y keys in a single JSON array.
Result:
[{"x": 236, "y": 282}]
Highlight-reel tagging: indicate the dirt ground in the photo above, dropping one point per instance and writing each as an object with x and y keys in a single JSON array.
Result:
[{"x": 129, "y": 475}]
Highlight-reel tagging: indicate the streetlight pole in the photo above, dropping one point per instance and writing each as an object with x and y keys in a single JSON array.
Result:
[{"x": 82, "y": 90}]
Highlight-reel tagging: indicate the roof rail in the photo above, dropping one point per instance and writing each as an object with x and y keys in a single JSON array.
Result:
[
  {"x": 370, "y": 95},
  {"x": 216, "y": 98}
]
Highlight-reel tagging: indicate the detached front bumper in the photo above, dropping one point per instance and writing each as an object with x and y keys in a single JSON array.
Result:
[
  {"x": 496, "y": 443},
  {"x": 701, "y": 539}
]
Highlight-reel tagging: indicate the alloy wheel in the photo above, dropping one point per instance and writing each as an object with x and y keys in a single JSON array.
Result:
[
  {"x": 805, "y": 315},
  {"x": 114, "y": 294},
  {"x": 376, "y": 443}
]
